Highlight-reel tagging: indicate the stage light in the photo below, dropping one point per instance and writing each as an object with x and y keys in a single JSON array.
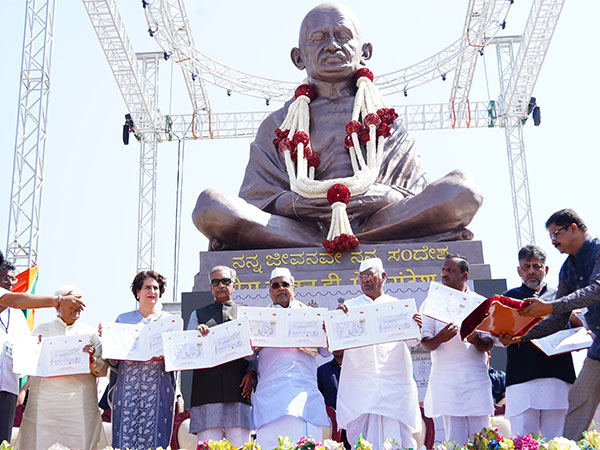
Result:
[
  {"x": 443, "y": 77},
  {"x": 268, "y": 101},
  {"x": 151, "y": 32},
  {"x": 228, "y": 92},
  {"x": 480, "y": 52},
  {"x": 537, "y": 116},
  {"x": 531, "y": 105},
  {"x": 194, "y": 76},
  {"x": 503, "y": 25},
  {"x": 405, "y": 93},
  {"x": 127, "y": 128},
  {"x": 166, "y": 55},
  {"x": 144, "y": 4}
]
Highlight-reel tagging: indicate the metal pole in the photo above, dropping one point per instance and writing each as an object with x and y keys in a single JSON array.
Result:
[{"x": 178, "y": 201}]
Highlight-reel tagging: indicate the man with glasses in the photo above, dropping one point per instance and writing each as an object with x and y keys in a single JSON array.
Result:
[
  {"x": 377, "y": 394},
  {"x": 287, "y": 401},
  {"x": 459, "y": 388},
  {"x": 220, "y": 402},
  {"x": 578, "y": 287},
  {"x": 530, "y": 373}
]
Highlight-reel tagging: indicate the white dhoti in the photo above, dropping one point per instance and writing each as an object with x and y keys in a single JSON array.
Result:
[
  {"x": 460, "y": 429},
  {"x": 292, "y": 427},
  {"x": 376, "y": 429},
  {"x": 530, "y": 409},
  {"x": 459, "y": 388}
]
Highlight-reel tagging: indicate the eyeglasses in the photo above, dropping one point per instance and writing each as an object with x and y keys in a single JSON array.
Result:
[
  {"x": 224, "y": 281},
  {"x": 366, "y": 276},
  {"x": 535, "y": 266},
  {"x": 555, "y": 234},
  {"x": 283, "y": 284}
]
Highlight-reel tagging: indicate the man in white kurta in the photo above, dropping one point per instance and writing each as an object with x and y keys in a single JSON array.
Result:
[
  {"x": 459, "y": 388},
  {"x": 287, "y": 401},
  {"x": 64, "y": 409},
  {"x": 377, "y": 394}
]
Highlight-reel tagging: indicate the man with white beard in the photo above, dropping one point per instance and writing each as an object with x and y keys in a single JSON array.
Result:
[{"x": 530, "y": 374}]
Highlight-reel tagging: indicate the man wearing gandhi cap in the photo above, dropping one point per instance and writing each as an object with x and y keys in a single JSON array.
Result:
[
  {"x": 380, "y": 376},
  {"x": 287, "y": 401}
]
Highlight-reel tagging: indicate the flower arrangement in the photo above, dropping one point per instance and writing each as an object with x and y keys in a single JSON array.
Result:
[{"x": 486, "y": 439}]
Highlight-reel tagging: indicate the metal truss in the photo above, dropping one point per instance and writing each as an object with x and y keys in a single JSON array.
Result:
[
  {"x": 488, "y": 16},
  {"x": 515, "y": 148},
  {"x": 172, "y": 40},
  {"x": 30, "y": 140},
  {"x": 526, "y": 65},
  {"x": 416, "y": 117},
  {"x": 467, "y": 61},
  {"x": 121, "y": 58},
  {"x": 518, "y": 74},
  {"x": 148, "y": 169}
]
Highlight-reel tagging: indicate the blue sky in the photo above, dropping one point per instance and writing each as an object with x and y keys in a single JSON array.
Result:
[{"x": 89, "y": 209}]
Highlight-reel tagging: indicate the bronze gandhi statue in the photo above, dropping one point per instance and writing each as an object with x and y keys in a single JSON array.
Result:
[{"x": 399, "y": 206}]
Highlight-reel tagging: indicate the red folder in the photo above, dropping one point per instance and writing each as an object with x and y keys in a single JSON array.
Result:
[{"x": 497, "y": 315}]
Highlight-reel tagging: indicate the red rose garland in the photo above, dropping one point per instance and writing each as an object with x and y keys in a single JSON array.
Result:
[
  {"x": 301, "y": 162},
  {"x": 340, "y": 236}
]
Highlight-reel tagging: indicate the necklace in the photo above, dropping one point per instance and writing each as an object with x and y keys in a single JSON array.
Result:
[
  {"x": 5, "y": 326},
  {"x": 301, "y": 162}
]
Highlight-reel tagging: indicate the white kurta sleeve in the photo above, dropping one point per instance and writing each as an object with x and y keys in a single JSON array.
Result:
[{"x": 429, "y": 329}]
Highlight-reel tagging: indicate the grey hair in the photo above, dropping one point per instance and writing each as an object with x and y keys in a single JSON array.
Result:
[
  {"x": 66, "y": 288},
  {"x": 231, "y": 271}
]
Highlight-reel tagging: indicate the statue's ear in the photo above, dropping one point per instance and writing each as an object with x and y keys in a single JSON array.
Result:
[
  {"x": 367, "y": 51},
  {"x": 296, "y": 56}
]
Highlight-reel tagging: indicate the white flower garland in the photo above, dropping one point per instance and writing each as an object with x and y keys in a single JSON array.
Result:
[{"x": 370, "y": 124}]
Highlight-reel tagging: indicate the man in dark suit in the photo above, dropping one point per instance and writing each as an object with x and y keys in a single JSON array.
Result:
[{"x": 221, "y": 395}]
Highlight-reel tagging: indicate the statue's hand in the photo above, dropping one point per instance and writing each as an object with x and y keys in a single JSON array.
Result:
[
  {"x": 295, "y": 206},
  {"x": 365, "y": 205}
]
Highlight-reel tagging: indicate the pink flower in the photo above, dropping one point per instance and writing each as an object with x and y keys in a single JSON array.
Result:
[{"x": 526, "y": 442}]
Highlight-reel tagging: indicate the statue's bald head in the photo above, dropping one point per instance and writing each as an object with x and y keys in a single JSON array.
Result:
[
  {"x": 335, "y": 9},
  {"x": 330, "y": 45}
]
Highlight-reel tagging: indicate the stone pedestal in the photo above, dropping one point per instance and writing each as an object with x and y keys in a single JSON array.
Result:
[{"x": 313, "y": 266}]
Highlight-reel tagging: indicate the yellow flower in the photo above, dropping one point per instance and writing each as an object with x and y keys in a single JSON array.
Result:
[
  {"x": 592, "y": 437},
  {"x": 506, "y": 444}
]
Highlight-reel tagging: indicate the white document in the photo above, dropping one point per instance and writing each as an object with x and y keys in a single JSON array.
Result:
[
  {"x": 564, "y": 341},
  {"x": 449, "y": 305},
  {"x": 285, "y": 327},
  {"x": 226, "y": 342},
  {"x": 53, "y": 356},
  {"x": 136, "y": 342},
  {"x": 372, "y": 324}
]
